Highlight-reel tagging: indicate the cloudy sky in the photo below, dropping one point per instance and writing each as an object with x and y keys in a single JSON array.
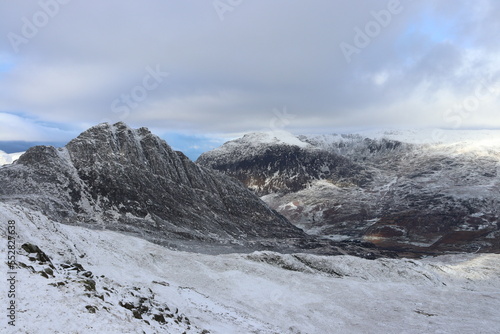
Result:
[{"x": 198, "y": 72}]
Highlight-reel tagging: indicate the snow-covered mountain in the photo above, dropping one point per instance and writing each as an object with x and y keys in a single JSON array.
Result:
[
  {"x": 8, "y": 158},
  {"x": 428, "y": 191},
  {"x": 268, "y": 164},
  {"x": 70, "y": 279},
  {"x": 114, "y": 177}
]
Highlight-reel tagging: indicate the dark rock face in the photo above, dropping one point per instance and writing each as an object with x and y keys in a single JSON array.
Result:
[
  {"x": 398, "y": 196},
  {"x": 283, "y": 168},
  {"x": 129, "y": 180}
]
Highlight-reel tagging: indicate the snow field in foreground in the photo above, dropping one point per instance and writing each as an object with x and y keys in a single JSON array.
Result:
[{"x": 262, "y": 292}]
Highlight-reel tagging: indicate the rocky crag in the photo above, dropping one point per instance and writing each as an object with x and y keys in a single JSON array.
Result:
[{"x": 114, "y": 177}]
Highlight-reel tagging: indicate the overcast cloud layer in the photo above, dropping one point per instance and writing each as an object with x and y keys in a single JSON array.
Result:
[{"x": 220, "y": 68}]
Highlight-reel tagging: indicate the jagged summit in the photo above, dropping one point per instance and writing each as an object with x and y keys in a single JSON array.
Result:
[{"x": 115, "y": 177}]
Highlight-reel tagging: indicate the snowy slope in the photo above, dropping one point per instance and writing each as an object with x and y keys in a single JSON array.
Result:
[
  {"x": 262, "y": 292},
  {"x": 456, "y": 141},
  {"x": 427, "y": 136},
  {"x": 8, "y": 158},
  {"x": 255, "y": 143}
]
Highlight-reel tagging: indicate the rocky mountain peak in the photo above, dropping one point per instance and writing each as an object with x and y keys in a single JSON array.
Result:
[
  {"x": 122, "y": 148},
  {"x": 113, "y": 176}
]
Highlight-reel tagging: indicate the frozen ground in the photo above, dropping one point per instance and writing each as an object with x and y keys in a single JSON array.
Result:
[{"x": 262, "y": 292}]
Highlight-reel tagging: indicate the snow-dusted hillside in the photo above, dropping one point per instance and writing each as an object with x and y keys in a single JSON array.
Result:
[
  {"x": 481, "y": 142},
  {"x": 426, "y": 190},
  {"x": 437, "y": 136},
  {"x": 105, "y": 282},
  {"x": 8, "y": 158},
  {"x": 278, "y": 161},
  {"x": 254, "y": 143}
]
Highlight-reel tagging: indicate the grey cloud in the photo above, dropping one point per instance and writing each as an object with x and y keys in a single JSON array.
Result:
[{"x": 228, "y": 76}]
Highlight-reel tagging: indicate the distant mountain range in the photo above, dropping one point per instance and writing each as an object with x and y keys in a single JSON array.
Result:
[
  {"x": 129, "y": 180},
  {"x": 363, "y": 194},
  {"x": 408, "y": 191}
]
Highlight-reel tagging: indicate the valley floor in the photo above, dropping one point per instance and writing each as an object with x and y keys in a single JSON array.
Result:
[{"x": 261, "y": 292}]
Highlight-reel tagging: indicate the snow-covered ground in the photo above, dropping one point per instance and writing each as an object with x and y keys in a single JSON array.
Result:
[
  {"x": 8, "y": 158},
  {"x": 262, "y": 292}
]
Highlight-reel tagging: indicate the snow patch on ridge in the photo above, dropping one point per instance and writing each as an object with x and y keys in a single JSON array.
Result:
[
  {"x": 253, "y": 143},
  {"x": 276, "y": 137}
]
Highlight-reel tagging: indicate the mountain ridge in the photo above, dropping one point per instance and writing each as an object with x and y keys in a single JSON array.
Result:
[{"x": 419, "y": 197}]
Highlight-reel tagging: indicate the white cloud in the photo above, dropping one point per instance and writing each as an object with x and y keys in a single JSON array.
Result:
[
  {"x": 14, "y": 127},
  {"x": 380, "y": 78}
]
